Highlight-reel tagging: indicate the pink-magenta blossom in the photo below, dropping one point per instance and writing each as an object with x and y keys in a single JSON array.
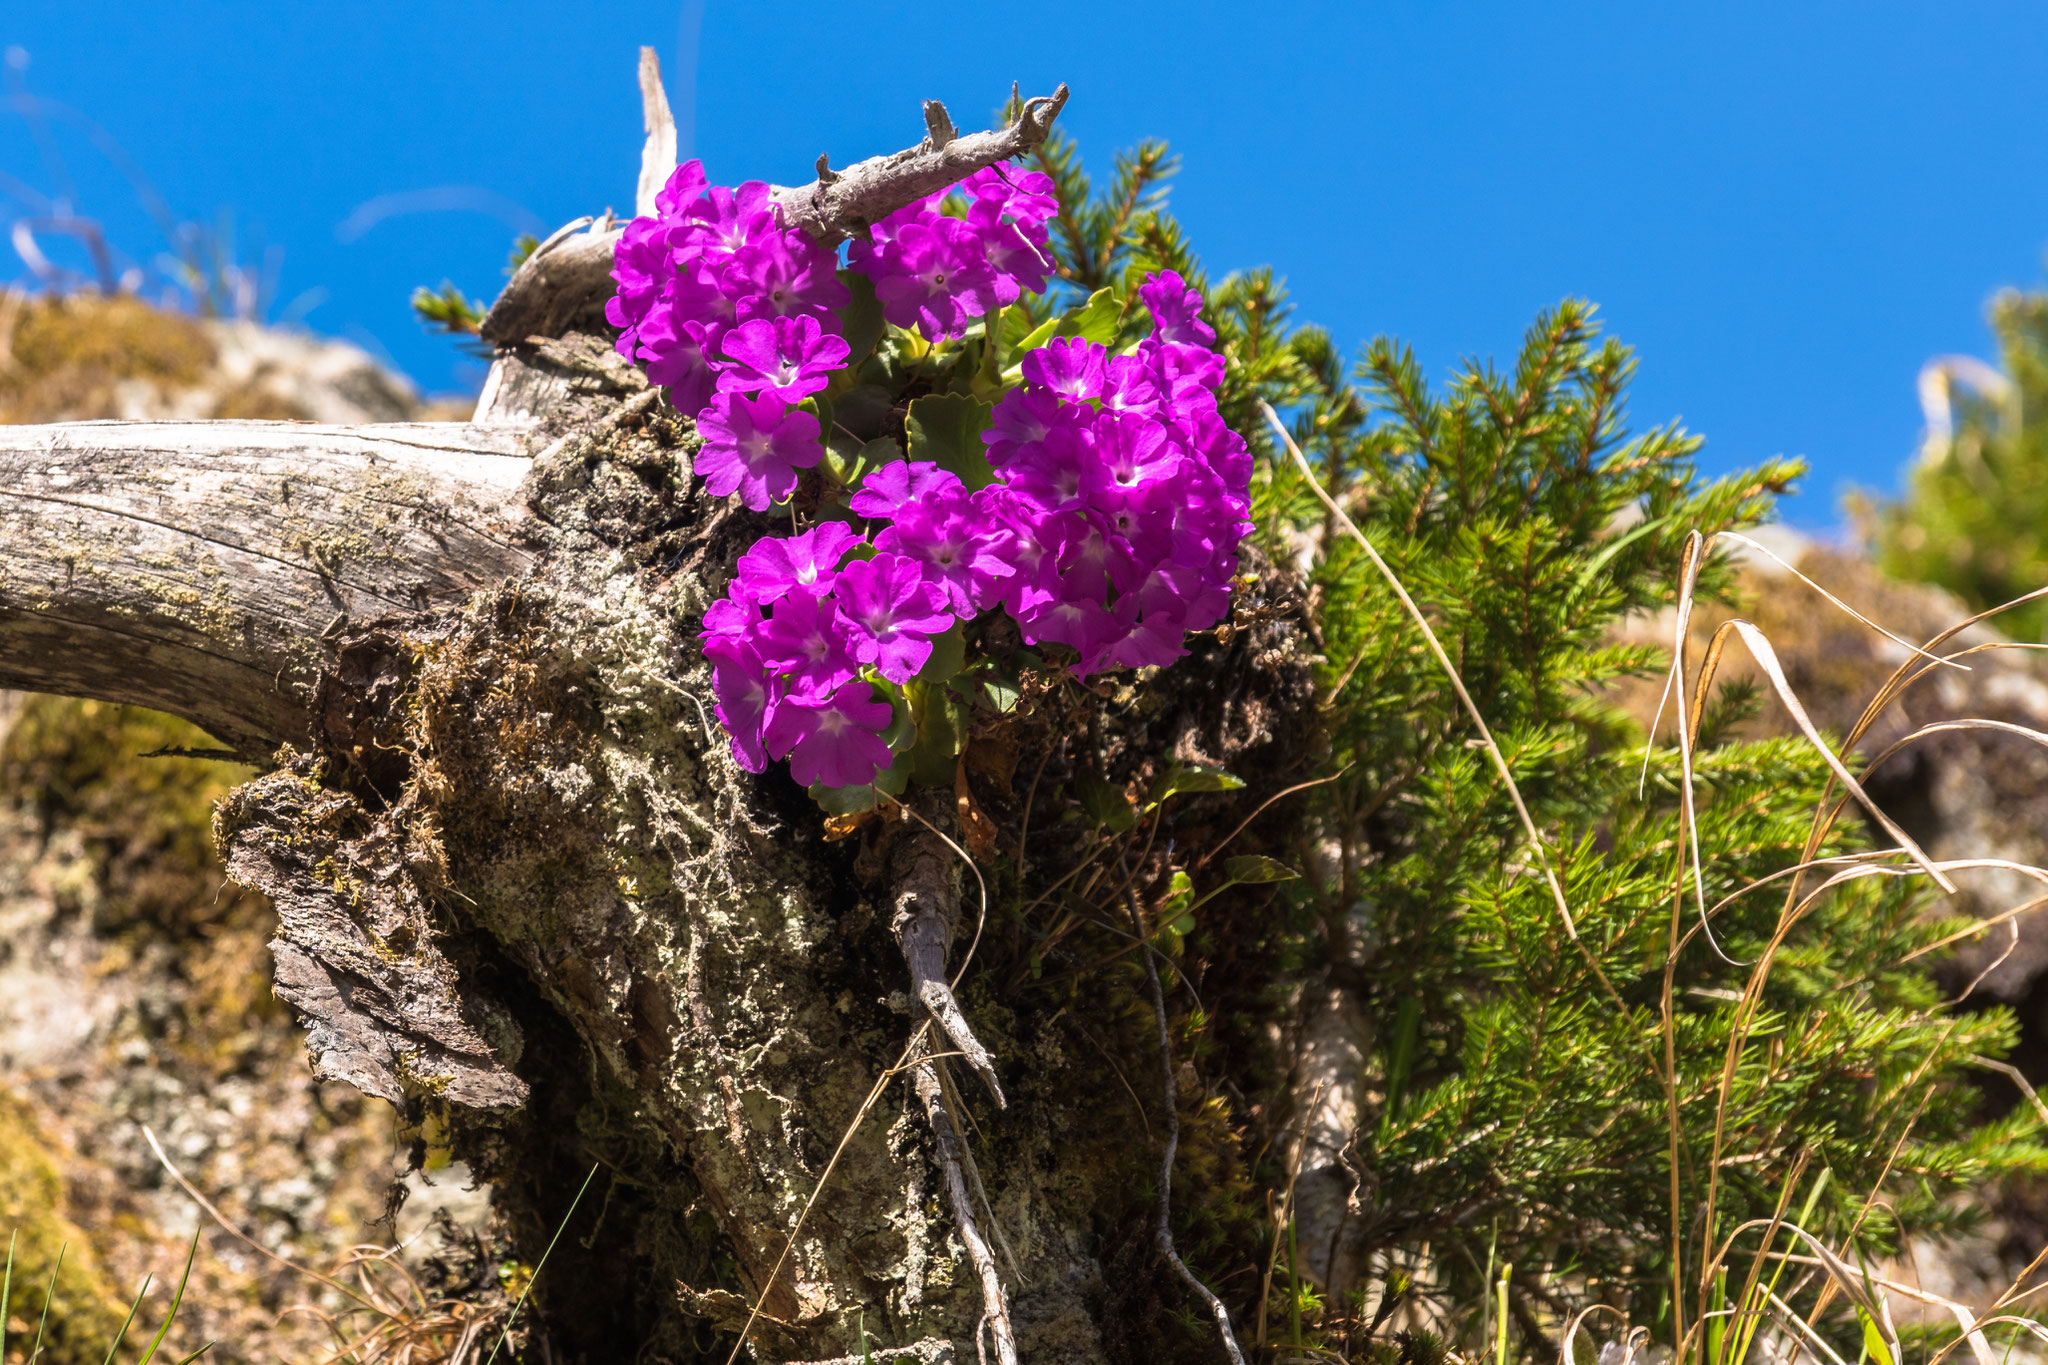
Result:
[
  {"x": 782, "y": 357},
  {"x": 835, "y": 740},
  {"x": 806, "y": 637},
  {"x": 754, "y": 446},
  {"x": 895, "y": 484},
  {"x": 777, "y": 564},
  {"x": 896, "y": 611}
]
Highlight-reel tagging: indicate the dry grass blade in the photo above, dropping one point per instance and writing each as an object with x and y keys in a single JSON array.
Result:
[
  {"x": 1443, "y": 659},
  {"x": 903, "y": 1062},
  {"x": 244, "y": 1238},
  {"x": 1848, "y": 610}
]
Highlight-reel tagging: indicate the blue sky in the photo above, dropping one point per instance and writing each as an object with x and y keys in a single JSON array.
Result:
[{"x": 1785, "y": 207}]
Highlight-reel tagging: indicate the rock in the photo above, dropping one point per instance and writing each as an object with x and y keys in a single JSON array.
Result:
[
  {"x": 83, "y": 356},
  {"x": 1960, "y": 793}
]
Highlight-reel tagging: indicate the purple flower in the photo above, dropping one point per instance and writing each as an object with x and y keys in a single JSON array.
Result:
[
  {"x": 1176, "y": 310},
  {"x": 1127, "y": 387},
  {"x": 1156, "y": 619},
  {"x": 896, "y": 610},
  {"x": 1187, "y": 377},
  {"x": 1053, "y": 471},
  {"x": 1021, "y": 418},
  {"x": 676, "y": 358},
  {"x": 786, "y": 274},
  {"x": 1090, "y": 561},
  {"x": 835, "y": 739},
  {"x": 755, "y": 446},
  {"x": 777, "y": 564},
  {"x": 685, "y": 183},
  {"x": 785, "y": 358},
  {"x": 932, "y": 276},
  {"x": 1130, "y": 453},
  {"x": 959, "y": 553},
  {"x": 1017, "y": 537},
  {"x": 1016, "y": 265},
  {"x": 724, "y": 220},
  {"x": 893, "y": 485},
  {"x": 1070, "y": 367},
  {"x": 727, "y": 617},
  {"x": 808, "y": 638},
  {"x": 1024, "y": 197},
  {"x": 641, "y": 267},
  {"x": 746, "y": 696},
  {"x": 1081, "y": 623}
]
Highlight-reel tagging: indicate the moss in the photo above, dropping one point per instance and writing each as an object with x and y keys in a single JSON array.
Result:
[
  {"x": 86, "y": 1311},
  {"x": 67, "y": 357},
  {"x": 152, "y": 874}
]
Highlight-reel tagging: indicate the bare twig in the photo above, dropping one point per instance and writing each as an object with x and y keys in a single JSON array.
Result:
[
  {"x": 952, "y": 1154},
  {"x": 1162, "y": 1227},
  {"x": 831, "y": 210},
  {"x": 925, "y": 914}
]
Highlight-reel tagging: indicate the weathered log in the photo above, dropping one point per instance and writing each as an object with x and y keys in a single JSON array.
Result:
[{"x": 197, "y": 567}]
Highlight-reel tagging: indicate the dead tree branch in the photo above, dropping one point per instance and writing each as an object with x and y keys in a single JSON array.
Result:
[
  {"x": 567, "y": 279},
  {"x": 198, "y": 567},
  {"x": 839, "y": 204}
]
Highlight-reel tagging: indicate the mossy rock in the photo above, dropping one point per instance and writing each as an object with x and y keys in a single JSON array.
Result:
[
  {"x": 86, "y": 1311},
  {"x": 152, "y": 876},
  {"x": 66, "y": 357}
]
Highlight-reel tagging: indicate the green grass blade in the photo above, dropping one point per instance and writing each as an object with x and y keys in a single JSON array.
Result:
[
  {"x": 187, "y": 1360},
  {"x": 128, "y": 1321},
  {"x": 178, "y": 1298},
  {"x": 7, "y": 1291},
  {"x": 540, "y": 1265},
  {"x": 48, "y": 1295}
]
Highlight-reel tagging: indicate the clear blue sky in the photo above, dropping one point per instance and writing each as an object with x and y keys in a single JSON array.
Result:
[{"x": 1785, "y": 207}]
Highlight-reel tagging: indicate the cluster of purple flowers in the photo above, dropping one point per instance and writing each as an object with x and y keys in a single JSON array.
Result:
[
  {"x": 737, "y": 317},
  {"x": 936, "y": 273},
  {"x": 1112, "y": 529},
  {"x": 1120, "y": 495}
]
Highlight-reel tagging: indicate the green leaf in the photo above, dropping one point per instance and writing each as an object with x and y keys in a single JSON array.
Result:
[
  {"x": 1254, "y": 868},
  {"x": 850, "y": 466},
  {"x": 949, "y": 654},
  {"x": 902, "y": 731},
  {"x": 1191, "y": 777},
  {"x": 946, "y": 429},
  {"x": 843, "y": 800},
  {"x": 1000, "y": 692},
  {"x": 941, "y": 733},
  {"x": 1106, "y": 803},
  {"x": 988, "y": 375},
  {"x": 1873, "y": 1340},
  {"x": 1095, "y": 320},
  {"x": 861, "y": 320}
]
